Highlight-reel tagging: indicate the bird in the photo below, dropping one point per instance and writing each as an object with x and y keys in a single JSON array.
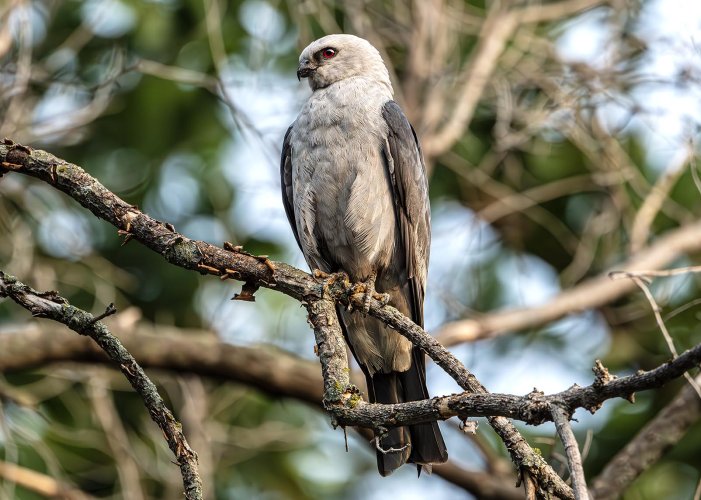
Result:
[{"x": 355, "y": 192}]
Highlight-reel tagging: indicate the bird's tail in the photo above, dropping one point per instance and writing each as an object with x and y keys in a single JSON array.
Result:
[{"x": 421, "y": 444}]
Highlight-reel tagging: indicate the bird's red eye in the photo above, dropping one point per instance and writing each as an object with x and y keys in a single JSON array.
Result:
[{"x": 328, "y": 53}]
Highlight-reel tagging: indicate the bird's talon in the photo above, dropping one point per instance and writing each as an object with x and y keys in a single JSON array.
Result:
[
  {"x": 319, "y": 274},
  {"x": 329, "y": 279},
  {"x": 383, "y": 298}
]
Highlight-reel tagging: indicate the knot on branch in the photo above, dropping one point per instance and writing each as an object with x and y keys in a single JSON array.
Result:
[
  {"x": 535, "y": 409},
  {"x": 15, "y": 158},
  {"x": 338, "y": 395},
  {"x": 601, "y": 374}
]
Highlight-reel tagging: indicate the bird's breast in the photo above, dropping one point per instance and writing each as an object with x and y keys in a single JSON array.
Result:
[{"x": 344, "y": 206}]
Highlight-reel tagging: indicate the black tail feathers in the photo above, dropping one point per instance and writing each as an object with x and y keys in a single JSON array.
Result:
[{"x": 421, "y": 444}]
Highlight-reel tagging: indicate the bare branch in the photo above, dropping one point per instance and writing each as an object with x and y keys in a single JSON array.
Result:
[
  {"x": 53, "y": 306},
  {"x": 574, "y": 459},
  {"x": 642, "y": 284}
]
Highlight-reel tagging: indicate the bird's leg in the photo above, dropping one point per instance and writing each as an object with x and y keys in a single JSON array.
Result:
[
  {"x": 328, "y": 279},
  {"x": 367, "y": 288}
]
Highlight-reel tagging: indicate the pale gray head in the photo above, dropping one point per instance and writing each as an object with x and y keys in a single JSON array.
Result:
[{"x": 336, "y": 57}]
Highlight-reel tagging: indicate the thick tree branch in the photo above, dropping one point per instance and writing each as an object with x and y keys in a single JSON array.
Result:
[
  {"x": 282, "y": 374},
  {"x": 255, "y": 272},
  {"x": 53, "y": 306}
]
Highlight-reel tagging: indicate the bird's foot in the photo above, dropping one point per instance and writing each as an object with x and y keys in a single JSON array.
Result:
[
  {"x": 329, "y": 279},
  {"x": 367, "y": 288}
]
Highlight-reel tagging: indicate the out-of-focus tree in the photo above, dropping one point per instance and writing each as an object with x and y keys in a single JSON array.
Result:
[{"x": 560, "y": 138}]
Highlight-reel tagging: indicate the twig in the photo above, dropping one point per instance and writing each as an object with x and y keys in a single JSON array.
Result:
[
  {"x": 53, "y": 306},
  {"x": 117, "y": 439},
  {"x": 642, "y": 284},
  {"x": 646, "y": 214},
  {"x": 574, "y": 459}
]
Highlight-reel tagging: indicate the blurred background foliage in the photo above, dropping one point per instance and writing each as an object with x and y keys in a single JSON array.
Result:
[{"x": 179, "y": 107}]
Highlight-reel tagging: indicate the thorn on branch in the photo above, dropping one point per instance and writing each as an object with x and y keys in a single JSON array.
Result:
[
  {"x": 127, "y": 219},
  {"x": 601, "y": 374},
  {"x": 109, "y": 311},
  {"x": 128, "y": 370},
  {"x": 230, "y": 273},
  {"x": 205, "y": 269},
  {"x": 260, "y": 258},
  {"x": 127, "y": 236},
  {"x": 247, "y": 291}
]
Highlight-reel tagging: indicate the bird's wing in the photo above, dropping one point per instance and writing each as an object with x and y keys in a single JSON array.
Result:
[
  {"x": 286, "y": 182},
  {"x": 407, "y": 173}
]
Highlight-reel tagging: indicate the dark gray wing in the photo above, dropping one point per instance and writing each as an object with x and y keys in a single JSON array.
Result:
[
  {"x": 286, "y": 182},
  {"x": 407, "y": 173}
]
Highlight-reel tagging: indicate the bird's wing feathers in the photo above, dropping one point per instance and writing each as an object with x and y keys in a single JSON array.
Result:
[
  {"x": 407, "y": 174},
  {"x": 286, "y": 182}
]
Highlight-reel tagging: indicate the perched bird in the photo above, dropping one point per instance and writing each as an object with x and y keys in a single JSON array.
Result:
[{"x": 355, "y": 192}]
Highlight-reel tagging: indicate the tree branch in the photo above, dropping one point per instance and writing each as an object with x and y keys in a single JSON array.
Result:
[
  {"x": 258, "y": 271},
  {"x": 574, "y": 460},
  {"x": 53, "y": 306},
  {"x": 589, "y": 294}
]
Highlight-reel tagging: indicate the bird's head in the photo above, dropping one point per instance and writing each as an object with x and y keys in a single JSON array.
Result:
[{"x": 336, "y": 57}]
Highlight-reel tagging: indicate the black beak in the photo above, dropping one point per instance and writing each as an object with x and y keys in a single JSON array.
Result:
[{"x": 305, "y": 69}]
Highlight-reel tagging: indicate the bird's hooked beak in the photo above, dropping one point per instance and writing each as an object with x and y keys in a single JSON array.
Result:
[{"x": 305, "y": 69}]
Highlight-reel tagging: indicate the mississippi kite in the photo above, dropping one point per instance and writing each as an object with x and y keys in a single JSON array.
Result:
[{"x": 355, "y": 192}]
